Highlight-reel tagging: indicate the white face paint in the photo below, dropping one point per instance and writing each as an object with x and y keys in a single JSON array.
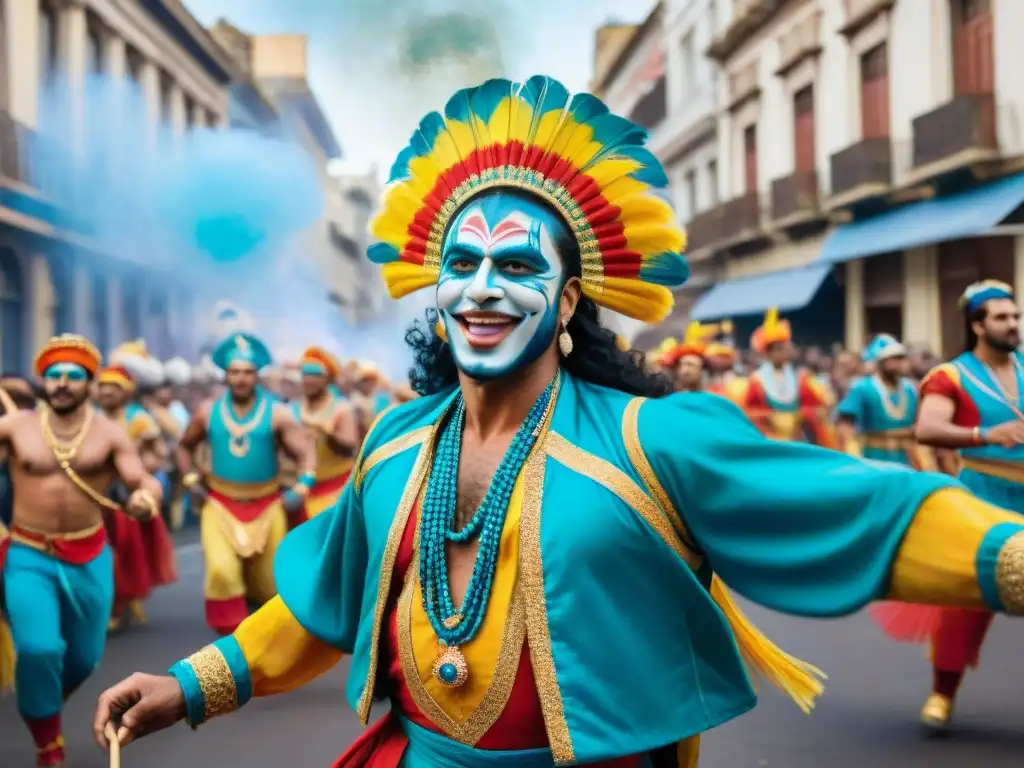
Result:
[{"x": 500, "y": 284}]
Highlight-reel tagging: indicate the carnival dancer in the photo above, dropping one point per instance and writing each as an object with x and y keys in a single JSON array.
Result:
[
  {"x": 876, "y": 418},
  {"x": 972, "y": 405},
  {"x": 371, "y": 395},
  {"x": 244, "y": 517},
  {"x": 58, "y": 574},
  {"x": 164, "y": 401},
  {"x": 784, "y": 403},
  {"x": 684, "y": 361},
  {"x": 332, "y": 422},
  {"x": 455, "y": 571},
  {"x": 720, "y": 361},
  {"x": 143, "y": 550}
]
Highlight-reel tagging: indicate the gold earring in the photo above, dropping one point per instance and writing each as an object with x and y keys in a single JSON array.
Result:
[
  {"x": 440, "y": 331},
  {"x": 565, "y": 340}
]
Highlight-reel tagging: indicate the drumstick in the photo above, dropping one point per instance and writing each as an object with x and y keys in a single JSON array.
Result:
[{"x": 115, "y": 746}]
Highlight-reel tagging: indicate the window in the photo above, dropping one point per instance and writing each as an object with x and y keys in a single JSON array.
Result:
[
  {"x": 689, "y": 64},
  {"x": 47, "y": 43},
  {"x": 874, "y": 93},
  {"x": 803, "y": 129},
  {"x": 690, "y": 181},
  {"x": 973, "y": 69},
  {"x": 750, "y": 159},
  {"x": 712, "y": 183}
]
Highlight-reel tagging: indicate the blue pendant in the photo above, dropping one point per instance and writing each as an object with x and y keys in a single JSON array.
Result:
[{"x": 450, "y": 668}]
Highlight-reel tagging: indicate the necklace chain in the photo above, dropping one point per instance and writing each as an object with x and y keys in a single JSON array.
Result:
[
  {"x": 897, "y": 411},
  {"x": 64, "y": 450}
]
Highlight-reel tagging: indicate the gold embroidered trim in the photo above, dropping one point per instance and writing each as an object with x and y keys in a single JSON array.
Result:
[
  {"x": 220, "y": 696},
  {"x": 391, "y": 449},
  {"x": 1010, "y": 575},
  {"x": 473, "y": 728},
  {"x": 412, "y": 490},
  {"x": 531, "y": 574},
  {"x": 637, "y": 457},
  {"x": 612, "y": 478}
]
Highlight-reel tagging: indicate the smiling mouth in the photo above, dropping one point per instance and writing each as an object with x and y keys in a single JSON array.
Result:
[{"x": 484, "y": 330}]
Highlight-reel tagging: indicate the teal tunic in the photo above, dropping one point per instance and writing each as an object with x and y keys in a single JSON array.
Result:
[
  {"x": 877, "y": 411},
  {"x": 983, "y": 390},
  {"x": 622, "y": 526},
  {"x": 254, "y": 458}
]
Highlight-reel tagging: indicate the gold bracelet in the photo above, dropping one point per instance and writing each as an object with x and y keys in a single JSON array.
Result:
[{"x": 191, "y": 480}]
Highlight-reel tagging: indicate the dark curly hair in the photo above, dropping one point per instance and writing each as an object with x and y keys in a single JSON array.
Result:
[{"x": 596, "y": 356}]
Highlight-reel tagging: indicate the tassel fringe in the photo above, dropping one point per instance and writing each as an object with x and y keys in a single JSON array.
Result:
[
  {"x": 799, "y": 680},
  {"x": 6, "y": 658}
]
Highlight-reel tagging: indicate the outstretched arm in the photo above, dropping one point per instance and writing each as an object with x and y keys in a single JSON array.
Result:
[
  {"x": 148, "y": 493},
  {"x": 818, "y": 533}
]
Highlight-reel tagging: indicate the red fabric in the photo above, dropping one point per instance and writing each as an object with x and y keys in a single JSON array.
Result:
[
  {"x": 521, "y": 723},
  {"x": 160, "y": 559},
  {"x": 46, "y": 733},
  {"x": 958, "y": 639},
  {"x": 333, "y": 485},
  {"x": 907, "y": 622},
  {"x": 131, "y": 569},
  {"x": 70, "y": 551},
  {"x": 5, "y": 544},
  {"x": 944, "y": 381},
  {"x": 380, "y": 746},
  {"x": 224, "y": 616},
  {"x": 245, "y": 511}
]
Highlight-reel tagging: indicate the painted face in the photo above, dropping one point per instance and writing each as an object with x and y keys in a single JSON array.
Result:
[
  {"x": 500, "y": 284},
  {"x": 66, "y": 386},
  {"x": 314, "y": 378}
]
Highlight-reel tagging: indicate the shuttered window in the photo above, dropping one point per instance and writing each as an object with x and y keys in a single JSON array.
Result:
[
  {"x": 973, "y": 70},
  {"x": 750, "y": 158},
  {"x": 803, "y": 128},
  {"x": 874, "y": 93}
]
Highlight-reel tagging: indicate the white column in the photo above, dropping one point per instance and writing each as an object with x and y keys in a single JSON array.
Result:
[
  {"x": 73, "y": 37},
  {"x": 854, "y": 287},
  {"x": 178, "y": 117},
  {"x": 115, "y": 314},
  {"x": 81, "y": 303},
  {"x": 21, "y": 19},
  {"x": 1018, "y": 265},
  {"x": 115, "y": 57},
  {"x": 42, "y": 300},
  {"x": 922, "y": 319},
  {"x": 149, "y": 79}
]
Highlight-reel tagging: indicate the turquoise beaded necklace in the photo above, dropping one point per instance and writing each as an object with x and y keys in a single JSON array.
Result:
[{"x": 455, "y": 626}]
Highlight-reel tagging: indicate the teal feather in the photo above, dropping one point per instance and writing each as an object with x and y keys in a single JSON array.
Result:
[
  {"x": 487, "y": 97},
  {"x": 400, "y": 169},
  {"x": 382, "y": 253},
  {"x": 459, "y": 105},
  {"x": 651, "y": 171},
  {"x": 669, "y": 269},
  {"x": 584, "y": 107}
]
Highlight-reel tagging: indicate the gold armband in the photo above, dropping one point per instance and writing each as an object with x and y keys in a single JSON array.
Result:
[{"x": 1010, "y": 575}]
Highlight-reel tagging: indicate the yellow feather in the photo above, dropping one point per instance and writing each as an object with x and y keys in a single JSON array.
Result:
[
  {"x": 646, "y": 209},
  {"x": 444, "y": 153},
  {"x": 581, "y": 153},
  {"x": 547, "y": 129},
  {"x": 403, "y": 278},
  {"x": 498, "y": 127},
  {"x": 522, "y": 119},
  {"x": 634, "y": 298},
  {"x": 652, "y": 239},
  {"x": 622, "y": 189},
  {"x": 612, "y": 169},
  {"x": 423, "y": 176},
  {"x": 462, "y": 136}
]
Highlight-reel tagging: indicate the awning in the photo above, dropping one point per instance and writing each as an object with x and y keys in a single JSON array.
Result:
[
  {"x": 788, "y": 289},
  {"x": 973, "y": 212}
]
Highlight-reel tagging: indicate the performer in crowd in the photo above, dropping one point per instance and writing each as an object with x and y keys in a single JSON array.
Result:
[
  {"x": 244, "y": 517},
  {"x": 57, "y": 576},
  {"x": 332, "y": 423},
  {"x": 684, "y": 361},
  {"x": 143, "y": 550},
  {"x": 371, "y": 395},
  {"x": 163, "y": 401},
  {"x": 720, "y": 360},
  {"x": 877, "y": 416},
  {"x": 972, "y": 405},
  {"x": 784, "y": 403},
  {"x": 455, "y": 571}
]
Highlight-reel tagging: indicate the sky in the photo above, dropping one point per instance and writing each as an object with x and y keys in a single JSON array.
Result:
[{"x": 377, "y": 66}]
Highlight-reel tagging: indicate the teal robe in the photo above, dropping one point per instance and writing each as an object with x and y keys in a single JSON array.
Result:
[{"x": 630, "y": 653}]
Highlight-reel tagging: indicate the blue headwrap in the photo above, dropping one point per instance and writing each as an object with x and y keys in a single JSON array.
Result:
[
  {"x": 978, "y": 293},
  {"x": 882, "y": 347},
  {"x": 241, "y": 347}
]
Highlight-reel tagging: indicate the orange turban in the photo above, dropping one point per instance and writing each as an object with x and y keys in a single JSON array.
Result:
[
  {"x": 121, "y": 377},
  {"x": 69, "y": 348},
  {"x": 322, "y": 357},
  {"x": 771, "y": 331}
]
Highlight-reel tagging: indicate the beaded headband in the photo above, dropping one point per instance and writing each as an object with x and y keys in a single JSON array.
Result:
[{"x": 978, "y": 293}]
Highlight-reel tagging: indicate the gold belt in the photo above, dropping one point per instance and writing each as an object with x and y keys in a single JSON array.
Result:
[
  {"x": 892, "y": 440},
  {"x": 243, "y": 491},
  {"x": 1011, "y": 471}
]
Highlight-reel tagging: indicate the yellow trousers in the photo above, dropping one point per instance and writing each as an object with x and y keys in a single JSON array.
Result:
[{"x": 240, "y": 556}]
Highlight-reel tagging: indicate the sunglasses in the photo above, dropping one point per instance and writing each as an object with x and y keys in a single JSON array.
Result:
[{"x": 65, "y": 372}]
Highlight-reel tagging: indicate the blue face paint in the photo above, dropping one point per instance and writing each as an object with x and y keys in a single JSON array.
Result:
[
  {"x": 313, "y": 369},
  {"x": 500, "y": 283},
  {"x": 69, "y": 371}
]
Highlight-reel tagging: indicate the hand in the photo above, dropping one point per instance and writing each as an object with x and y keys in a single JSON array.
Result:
[
  {"x": 138, "y": 706},
  {"x": 293, "y": 502},
  {"x": 1008, "y": 434},
  {"x": 142, "y": 505}
]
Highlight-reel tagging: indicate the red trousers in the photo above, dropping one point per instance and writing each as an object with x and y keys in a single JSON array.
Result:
[{"x": 957, "y": 642}]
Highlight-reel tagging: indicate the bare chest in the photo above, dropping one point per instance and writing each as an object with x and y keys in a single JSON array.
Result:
[{"x": 33, "y": 456}]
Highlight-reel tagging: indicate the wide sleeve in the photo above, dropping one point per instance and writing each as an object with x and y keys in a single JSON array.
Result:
[
  {"x": 320, "y": 569},
  {"x": 815, "y": 532},
  {"x": 852, "y": 406}
]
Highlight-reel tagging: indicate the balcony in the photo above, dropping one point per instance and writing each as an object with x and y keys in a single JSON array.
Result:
[
  {"x": 795, "y": 199},
  {"x": 743, "y": 86},
  {"x": 862, "y": 170},
  {"x": 748, "y": 18},
  {"x": 705, "y": 229},
  {"x": 652, "y": 108},
  {"x": 800, "y": 43},
  {"x": 860, "y": 13},
  {"x": 957, "y": 134}
]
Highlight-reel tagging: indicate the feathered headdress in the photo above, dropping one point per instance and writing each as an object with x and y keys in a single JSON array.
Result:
[
  {"x": 572, "y": 153},
  {"x": 134, "y": 358},
  {"x": 771, "y": 331},
  {"x": 978, "y": 293},
  {"x": 694, "y": 344},
  {"x": 882, "y": 347}
]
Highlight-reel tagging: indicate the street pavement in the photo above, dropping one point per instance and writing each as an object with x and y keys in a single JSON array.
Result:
[{"x": 868, "y": 716}]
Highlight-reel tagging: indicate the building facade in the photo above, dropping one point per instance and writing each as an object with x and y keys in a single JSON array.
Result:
[
  {"x": 870, "y": 163},
  {"x": 53, "y": 279},
  {"x": 655, "y": 72}
]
